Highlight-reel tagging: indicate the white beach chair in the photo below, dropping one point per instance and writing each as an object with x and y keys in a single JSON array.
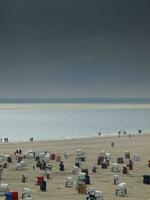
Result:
[
  {"x": 47, "y": 157},
  {"x": 115, "y": 167},
  {"x": 91, "y": 191},
  {"x": 26, "y": 193},
  {"x": 121, "y": 189},
  {"x": 30, "y": 156},
  {"x": 69, "y": 182},
  {"x": 19, "y": 167},
  {"x": 41, "y": 155},
  {"x": 108, "y": 156},
  {"x": 115, "y": 179},
  {"x": 23, "y": 163},
  {"x": 136, "y": 157},
  {"x": 94, "y": 195},
  {"x": 4, "y": 187},
  {"x": 98, "y": 195},
  {"x": 80, "y": 155}
]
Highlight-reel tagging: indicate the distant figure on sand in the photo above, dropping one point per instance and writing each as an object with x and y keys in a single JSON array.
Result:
[
  {"x": 5, "y": 139},
  {"x": 112, "y": 144},
  {"x": 99, "y": 133},
  {"x": 31, "y": 139},
  {"x": 139, "y": 131},
  {"x": 124, "y": 133}
]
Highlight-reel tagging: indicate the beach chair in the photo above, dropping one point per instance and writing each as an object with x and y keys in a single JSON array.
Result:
[
  {"x": 11, "y": 195},
  {"x": 23, "y": 163},
  {"x": 115, "y": 167},
  {"x": 19, "y": 166},
  {"x": 136, "y": 157},
  {"x": 48, "y": 170},
  {"x": 98, "y": 195},
  {"x": 41, "y": 155},
  {"x": 127, "y": 154},
  {"x": 47, "y": 157},
  {"x": 40, "y": 179},
  {"x": 115, "y": 179},
  {"x": 108, "y": 156},
  {"x": 26, "y": 194},
  {"x": 94, "y": 195},
  {"x": 91, "y": 190},
  {"x": 3, "y": 158},
  {"x": 121, "y": 189},
  {"x": 82, "y": 177},
  {"x": 30, "y": 156},
  {"x": 4, "y": 187},
  {"x": 43, "y": 186},
  {"x": 120, "y": 160},
  {"x": 94, "y": 168},
  {"x": 69, "y": 182},
  {"x": 1, "y": 171},
  {"x": 80, "y": 155},
  {"x": 146, "y": 179}
]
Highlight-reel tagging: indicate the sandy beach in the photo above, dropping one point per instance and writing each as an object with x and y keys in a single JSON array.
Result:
[{"x": 101, "y": 180}]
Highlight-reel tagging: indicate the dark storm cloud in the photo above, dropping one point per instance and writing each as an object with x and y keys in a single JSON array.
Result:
[{"x": 74, "y": 48}]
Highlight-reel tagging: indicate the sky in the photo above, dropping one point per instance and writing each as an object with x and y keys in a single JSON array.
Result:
[{"x": 74, "y": 48}]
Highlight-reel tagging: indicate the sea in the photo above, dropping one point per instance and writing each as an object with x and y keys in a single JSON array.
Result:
[{"x": 71, "y": 118}]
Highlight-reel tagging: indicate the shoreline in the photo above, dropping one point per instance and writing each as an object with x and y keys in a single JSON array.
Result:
[
  {"x": 75, "y": 105},
  {"x": 104, "y": 135}
]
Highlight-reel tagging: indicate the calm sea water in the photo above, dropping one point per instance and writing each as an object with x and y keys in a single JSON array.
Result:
[{"x": 20, "y": 122}]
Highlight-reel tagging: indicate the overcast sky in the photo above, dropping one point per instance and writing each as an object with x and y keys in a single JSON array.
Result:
[{"x": 74, "y": 48}]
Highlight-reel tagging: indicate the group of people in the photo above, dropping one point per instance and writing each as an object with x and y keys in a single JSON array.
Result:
[
  {"x": 124, "y": 133},
  {"x": 5, "y": 140}
]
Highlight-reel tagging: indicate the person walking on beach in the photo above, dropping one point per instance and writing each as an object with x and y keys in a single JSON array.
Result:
[
  {"x": 119, "y": 132},
  {"x": 31, "y": 139}
]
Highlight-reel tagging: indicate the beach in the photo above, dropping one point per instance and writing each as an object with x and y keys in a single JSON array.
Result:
[{"x": 102, "y": 180}]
